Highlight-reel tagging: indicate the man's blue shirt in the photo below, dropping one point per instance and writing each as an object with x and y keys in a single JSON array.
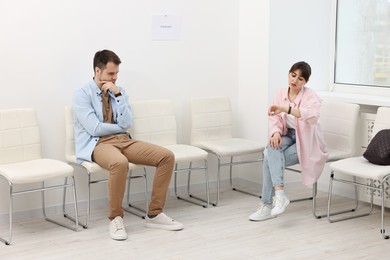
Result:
[{"x": 88, "y": 118}]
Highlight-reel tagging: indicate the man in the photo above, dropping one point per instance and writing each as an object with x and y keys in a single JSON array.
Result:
[{"x": 102, "y": 116}]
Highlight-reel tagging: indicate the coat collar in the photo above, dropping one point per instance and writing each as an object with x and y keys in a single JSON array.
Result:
[{"x": 297, "y": 100}]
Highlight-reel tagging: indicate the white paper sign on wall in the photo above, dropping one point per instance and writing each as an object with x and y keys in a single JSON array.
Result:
[{"x": 166, "y": 27}]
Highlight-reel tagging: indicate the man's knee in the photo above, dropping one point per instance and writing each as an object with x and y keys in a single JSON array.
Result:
[
  {"x": 169, "y": 156},
  {"x": 119, "y": 164}
]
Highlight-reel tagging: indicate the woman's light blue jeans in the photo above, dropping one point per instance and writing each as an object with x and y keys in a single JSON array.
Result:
[{"x": 275, "y": 161}]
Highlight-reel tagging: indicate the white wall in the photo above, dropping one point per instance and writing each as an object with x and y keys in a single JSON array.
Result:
[
  {"x": 239, "y": 48},
  {"x": 300, "y": 30},
  {"x": 47, "y": 49},
  {"x": 253, "y": 78},
  {"x": 274, "y": 35}
]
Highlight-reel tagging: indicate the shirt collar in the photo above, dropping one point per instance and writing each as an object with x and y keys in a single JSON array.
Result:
[
  {"x": 95, "y": 87},
  {"x": 297, "y": 99}
]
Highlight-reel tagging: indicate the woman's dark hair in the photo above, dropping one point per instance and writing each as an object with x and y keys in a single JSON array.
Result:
[
  {"x": 103, "y": 57},
  {"x": 304, "y": 68}
]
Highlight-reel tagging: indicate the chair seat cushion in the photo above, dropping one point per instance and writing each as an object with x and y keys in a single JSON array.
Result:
[
  {"x": 360, "y": 167},
  {"x": 232, "y": 147},
  {"x": 187, "y": 153},
  {"x": 93, "y": 167},
  {"x": 35, "y": 170},
  {"x": 335, "y": 155}
]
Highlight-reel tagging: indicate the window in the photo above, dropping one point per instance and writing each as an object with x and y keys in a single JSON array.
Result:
[{"x": 362, "y": 51}]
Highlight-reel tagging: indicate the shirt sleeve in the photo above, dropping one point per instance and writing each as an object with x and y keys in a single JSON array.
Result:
[
  {"x": 84, "y": 108},
  {"x": 123, "y": 113}
]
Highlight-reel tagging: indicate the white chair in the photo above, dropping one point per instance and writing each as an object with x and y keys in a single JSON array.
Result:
[
  {"x": 155, "y": 122},
  {"x": 339, "y": 121},
  {"x": 212, "y": 130},
  {"x": 93, "y": 169},
  {"x": 21, "y": 162},
  {"x": 359, "y": 167}
]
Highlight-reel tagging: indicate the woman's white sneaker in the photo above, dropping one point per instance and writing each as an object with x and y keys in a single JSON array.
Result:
[
  {"x": 280, "y": 202},
  {"x": 262, "y": 213}
]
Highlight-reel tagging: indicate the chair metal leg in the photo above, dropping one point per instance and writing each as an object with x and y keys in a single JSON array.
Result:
[
  {"x": 11, "y": 210},
  {"x": 88, "y": 217},
  {"x": 189, "y": 181},
  {"x": 207, "y": 201},
  {"x": 8, "y": 242},
  {"x": 231, "y": 182},
  {"x": 383, "y": 232},
  {"x": 88, "y": 209},
  {"x": 218, "y": 181},
  {"x": 66, "y": 215},
  {"x": 54, "y": 221},
  {"x": 355, "y": 183},
  {"x": 314, "y": 204},
  {"x": 191, "y": 198},
  {"x": 314, "y": 188},
  {"x": 314, "y": 208},
  {"x": 42, "y": 189},
  {"x": 231, "y": 163},
  {"x": 314, "y": 198},
  {"x": 303, "y": 199},
  {"x": 132, "y": 208}
]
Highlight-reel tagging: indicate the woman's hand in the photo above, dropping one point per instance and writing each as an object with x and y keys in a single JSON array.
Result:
[
  {"x": 276, "y": 110},
  {"x": 275, "y": 141}
]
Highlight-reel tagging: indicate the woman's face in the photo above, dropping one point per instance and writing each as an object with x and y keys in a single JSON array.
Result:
[{"x": 295, "y": 80}]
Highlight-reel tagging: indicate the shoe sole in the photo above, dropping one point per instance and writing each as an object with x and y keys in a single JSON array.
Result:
[
  {"x": 269, "y": 217},
  {"x": 165, "y": 227},
  {"x": 282, "y": 209},
  {"x": 119, "y": 238}
]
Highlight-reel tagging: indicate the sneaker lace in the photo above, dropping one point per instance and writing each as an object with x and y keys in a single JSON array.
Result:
[
  {"x": 118, "y": 223},
  {"x": 277, "y": 199},
  {"x": 261, "y": 206},
  {"x": 168, "y": 219}
]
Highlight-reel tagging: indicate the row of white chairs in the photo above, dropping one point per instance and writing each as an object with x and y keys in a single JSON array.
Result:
[
  {"x": 154, "y": 121},
  {"x": 21, "y": 161},
  {"x": 340, "y": 123}
]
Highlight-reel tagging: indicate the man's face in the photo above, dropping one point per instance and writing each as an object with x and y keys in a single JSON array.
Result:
[{"x": 108, "y": 74}]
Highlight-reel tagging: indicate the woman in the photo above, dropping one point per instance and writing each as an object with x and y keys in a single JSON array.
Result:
[{"x": 295, "y": 137}]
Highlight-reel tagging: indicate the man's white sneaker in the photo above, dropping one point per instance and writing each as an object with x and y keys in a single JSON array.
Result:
[
  {"x": 117, "y": 229},
  {"x": 262, "y": 213},
  {"x": 162, "y": 221},
  {"x": 280, "y": 202}
]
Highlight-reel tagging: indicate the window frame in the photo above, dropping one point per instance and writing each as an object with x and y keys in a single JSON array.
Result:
[{"x": 352, "y": 89}]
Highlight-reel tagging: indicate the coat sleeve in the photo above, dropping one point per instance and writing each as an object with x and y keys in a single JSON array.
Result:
[
  {"x": 310, "y": 107},
  {"x": 276, "y": 123}
]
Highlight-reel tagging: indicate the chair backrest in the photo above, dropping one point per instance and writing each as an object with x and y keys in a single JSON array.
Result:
[
  {"x": 19, "y": 136},
  {"x": 154, "y": 121},
  {"x": 211, "y": 119},
  {"x": 339, "y": 121},
  {"x": 70, "y": 153},
  {"x": 382, "y": 120}
]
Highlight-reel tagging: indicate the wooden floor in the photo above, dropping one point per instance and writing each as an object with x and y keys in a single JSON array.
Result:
[{"x": 222, "y": 232}]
